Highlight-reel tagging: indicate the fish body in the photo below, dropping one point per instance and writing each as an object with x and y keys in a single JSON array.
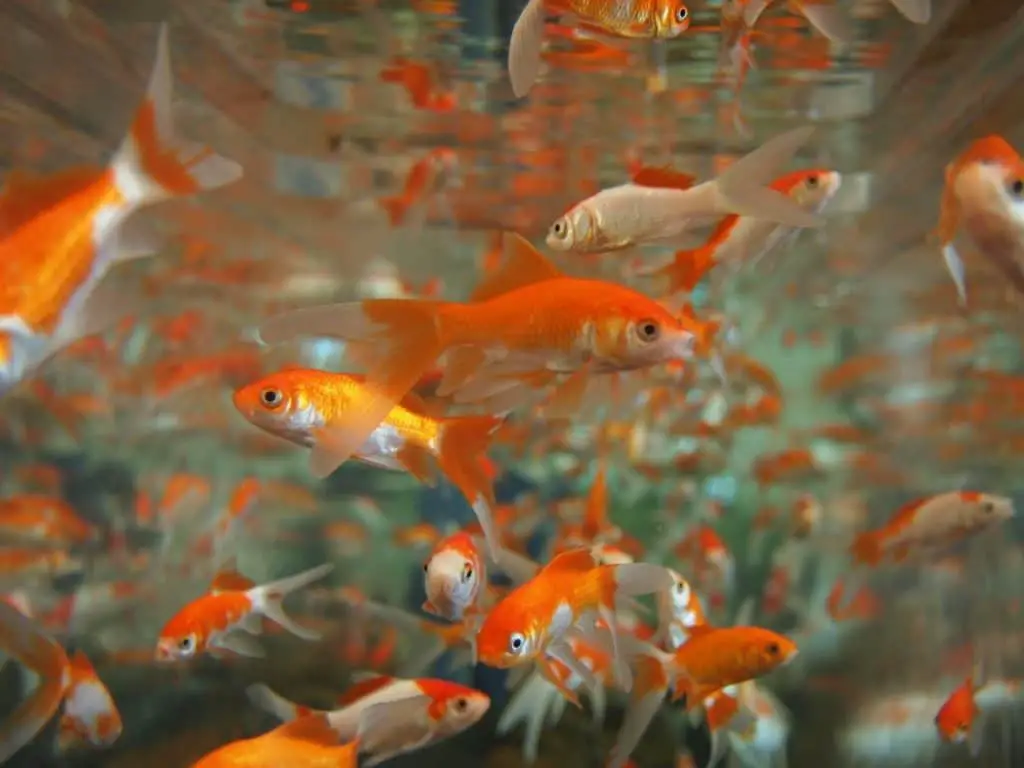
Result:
[
  {"x": 983, "y": 196},
  {"x": 647, "y": 19},
  {"x": 454, "y": 577},
  {"x": 61, "y": 235},
  {"x": 661, "y": 205},
  {"x": 224, "y": 619},
  {"x": 89, "y": 715},
  {"x": 314, "y": 408},
  {"x": 308, "y": 742}
]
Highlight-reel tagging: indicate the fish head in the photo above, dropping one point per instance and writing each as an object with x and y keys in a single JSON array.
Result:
[
  {"x": 459, "y": 710},
  {"x": 993, "y": 188},
  {"x": 452, "y": 582},
  {"x": 282, "y": 404},
  {"x": 812, "y": 189},
  {"x": 573, "y": 231},
  {"x": 509, "y": 635},
  {"x": 671, "y": 19},
  {"x": 768, "y": 650},
  {"x": 181, "y": 639},
  {"x": 982, "y": 510},
  {"x": 641, "y": 334}
]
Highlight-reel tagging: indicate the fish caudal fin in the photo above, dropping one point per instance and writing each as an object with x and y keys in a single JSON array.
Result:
[
  {"x": 263, "y": 698},
  {"x": 524, "y": 49},
  {"x": 23, "y": 641},
  {"x": 462, "y": 446},
  {"x": 395, "y": 207},
  {"x": 743, "y": 188},
  {"x": 688, "y": 268},
  {"x": 915, "y": 11},
  {"x": 395, "y": 340},
  {"x": 151, "y": 163},
  {"x": 636, "y": 579},
  {"x": 269, "y": 598},
  {"x": 830, "y": 20},
  {"x": 646, "y": 698},
  {"x": 867, "y": 549}
]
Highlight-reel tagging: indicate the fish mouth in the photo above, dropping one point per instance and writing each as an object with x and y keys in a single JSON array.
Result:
[{"x": 789, "y": 659}]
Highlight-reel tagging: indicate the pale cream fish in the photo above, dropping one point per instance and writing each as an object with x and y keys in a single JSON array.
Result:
[
  {"x": 634, "y": 214},
  {"x": 679, "y": 610}
]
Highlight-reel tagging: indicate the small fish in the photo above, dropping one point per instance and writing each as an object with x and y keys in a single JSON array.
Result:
[
  {"x": 454, "y": 577},
  {"x": 984, "y": 197},
  {"x": 90, "y": 714},
  {"x": 743, "y": 240},
  {"x": 661, "y": 205},
  {"x": 645, "y": 19},
  {"x": 224, "y": 619},
  {"x": 960, "y": 719},
  {"x": 308, "y": 742},
  {"x": 61, "y": 235},
  {"x": 314, "y": 408},
  {"x": 679, "y": 610},
  {"x": 534, "y": 618}
]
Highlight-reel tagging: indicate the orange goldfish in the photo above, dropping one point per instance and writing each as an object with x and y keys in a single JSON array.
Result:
[
  {"x": 533, "y": 618},
  {"x": 226, "y": 617},
  {"x": 661, "y": 205},
  {"x": 739, "y": 239},
  {"x": 960, "y": 719},
  {"x": 312, "y": 408},
  {"x": 61, "y": 235},
  {"x": 308, "y": 742},
  {"x": 984, "y": 196},
  {"x": 526, "y": 319},
  {"x": 648, "y": 19}
]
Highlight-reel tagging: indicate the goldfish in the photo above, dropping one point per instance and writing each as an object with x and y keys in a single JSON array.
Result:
[
  {"x": 660, "y": 205},
  {"x": 959, "y": 719},
  {"x": 647, "y": 19},
  {"x": 527, "y": 317},
  {"x": 311, "y": 408},
  {"x": 679, "y": 610},
  {"x": 534, "y": 618},
  {"x": 420, "y": 712},
  {"x": 740, "y": 240},
  {"x": 930, "y": 523},
  {"x": 983, "y": 196},
  {"x": 224, "y": 619},
  {"x": 90, "y": 714},
  {"x": 308, "y": 742},
  {"x": 61, "y": 235},
  {"x": 454, "y": 577}
]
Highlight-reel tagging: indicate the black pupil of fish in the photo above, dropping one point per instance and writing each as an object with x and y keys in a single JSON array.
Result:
[
  {"x": 682, "y": 13},
  {"x": 812, "y": 181},
  {"x": 1018, "y": 187},
  {"x": 773, "y": 648}
]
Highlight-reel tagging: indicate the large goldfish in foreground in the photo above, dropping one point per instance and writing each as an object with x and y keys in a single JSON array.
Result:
[
  {"x": 646, "y": 19},
  {"x": 984, "y": 197},
  {"x": 61, "y": 234}
]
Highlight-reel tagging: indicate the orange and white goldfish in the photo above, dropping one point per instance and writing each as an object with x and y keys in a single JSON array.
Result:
[
  {"x": 90, "y": 714},
  {"x": 644, "y": 19},
  {"x": 225, "y": 619},
  {"x": 960, "y": 719},
  {"x": 525, "y": 318},
  {"x": 308, "y": 742},
  {"x": 926, "y": 525},
  {"x": 454, "y": 577},
  {"x": 679, "y": 610},
  {"x": 534, "y": 618},
  {"x": 661, "y": 205},
  {"x": 744, "y": 240},
  {"x": 984, "y": 197},
  {"x": 422, "y": 712},
  {"x": 313, "y": 408},
  {"x": 61, "y": 235}
]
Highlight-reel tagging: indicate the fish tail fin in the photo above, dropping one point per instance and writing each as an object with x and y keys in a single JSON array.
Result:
[
  {"x": 463, "y": 443},
  {"x": 830, "y": 20},
  {"x": 262, "y": 697},
  {"x": 866, "y": 549},
  {"x": 151, "y": 164},
  {"x": 524, "y": 50},
  {"x": 22, "y": 640},
  {"x": 395, "y": 207},
  {"x": 270, "y": 599},
  {"x": 395, "y": 340},
  {"x": 645, "y": 700},
  {"x": 743, "y": 187},
  {"x": 914, "y": 11},
  {"x": 688, "y": 268},
  {"x": 636, "y": 579}
]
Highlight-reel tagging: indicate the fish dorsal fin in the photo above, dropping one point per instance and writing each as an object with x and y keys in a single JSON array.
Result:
[
  {"x": 523, "y": 265},
  {"x": 366, "y": 683},
  {"x": 311, "y": 728},
  {"x": 228, "y": 579},
  {"x": 663, "y": 178},
  {"x": 698, "y": 630},
  {"x": 26, "y": 195},
  {"x": 581, "y": 559},
  {"x": 904, "y": 516}
]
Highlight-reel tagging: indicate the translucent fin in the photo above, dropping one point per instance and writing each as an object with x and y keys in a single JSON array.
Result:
[
  {"x": 915, "y": 11},
  {"x": 268, "y": 599},
  {"x": 955, "y": 266},
  {"x": 524, "y": 50},
  {"x": 830, "y": 20},
  {"x": 263, "y": 698}
]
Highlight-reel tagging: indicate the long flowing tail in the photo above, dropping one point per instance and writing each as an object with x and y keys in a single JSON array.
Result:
[
  {"x": 463, "y": 445},
  {"x": 269, "y": 599}
]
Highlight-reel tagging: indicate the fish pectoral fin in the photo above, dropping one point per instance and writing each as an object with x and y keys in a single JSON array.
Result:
[
  {"x": 568, "y": 396},
  {"x": 240, "y": 644}
]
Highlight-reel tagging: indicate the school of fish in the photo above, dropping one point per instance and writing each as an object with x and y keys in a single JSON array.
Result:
[{"x": 613, "y": 386}]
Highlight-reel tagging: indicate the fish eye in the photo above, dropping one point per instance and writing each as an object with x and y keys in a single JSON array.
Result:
[
  {"x": 812, "y": 181},
  {"x": 680, "y": 587},
  {"x": 559, "y": 229},
  {"x": 271, "y": 397},
  {"x": 648, "y": 330},
  {"x": 773, "y": 649},
  {"x": 516, "y": 643},
  {"x": 467, "y": 572},
  {"x": 426, "y": 566},
  {"x": 1017, "y": 188},
  {"x": 187, "y": 644},
  {"x": 988, "y": 507},
  {"x": 682, "y": 13},
  {"x": 461, "y": 704}
]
